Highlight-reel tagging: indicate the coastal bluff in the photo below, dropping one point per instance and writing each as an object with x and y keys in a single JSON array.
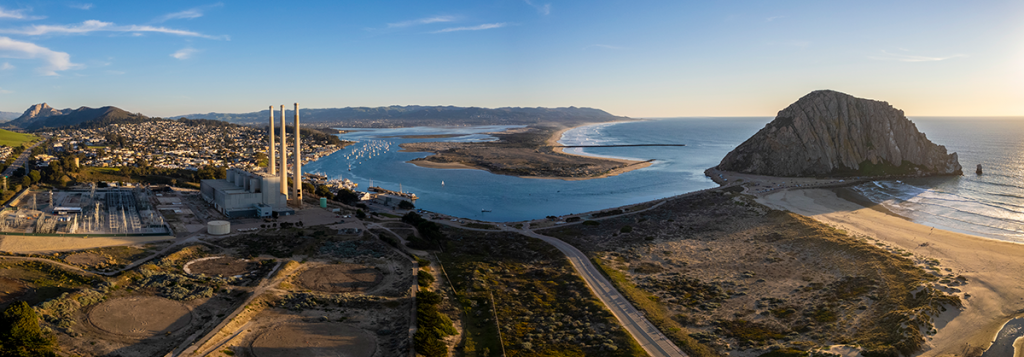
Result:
[{"x": 828, "y": 133}]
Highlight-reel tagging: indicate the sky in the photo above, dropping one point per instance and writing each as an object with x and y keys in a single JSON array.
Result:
[{"x": 633, "y": 58}]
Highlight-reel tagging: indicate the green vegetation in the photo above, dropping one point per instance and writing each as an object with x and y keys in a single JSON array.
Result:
[
  {"x": 431, "y": 234},
  {"x": 424, "y": 279},
  {"x": 744, "y": 330},
  {"x": 406, "y": 205},
  {"x": 431, "y": 325},
  {"x": 543, "y": 308},
  {"x": 655, "y": 312},
  {"x": 481, "y": 226},
  {"x": 13, "y": 139},
  {"x": 21, "y": 336}
]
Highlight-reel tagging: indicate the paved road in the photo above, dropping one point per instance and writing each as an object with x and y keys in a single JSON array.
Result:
[
  {"x": 642, "y": 330},
  {"x": 22, "y": 159}
]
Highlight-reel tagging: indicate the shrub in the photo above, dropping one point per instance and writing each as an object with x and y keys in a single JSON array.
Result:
[
  {"x": 20, "y": 334},
  {"x": 626, "y": 229},
  {"x": 424, "y": 279}
]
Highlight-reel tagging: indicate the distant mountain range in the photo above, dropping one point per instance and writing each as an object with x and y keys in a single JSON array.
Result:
[
  {"x": 42, "y": 116},
  {"x": 5, "y": 116},
  {"x": 421, "y": 115}
]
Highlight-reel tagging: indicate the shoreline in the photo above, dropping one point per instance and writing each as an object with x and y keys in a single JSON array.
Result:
[
  {"x": 994, "y": 293},
  {"x": 552, "y": 141}
]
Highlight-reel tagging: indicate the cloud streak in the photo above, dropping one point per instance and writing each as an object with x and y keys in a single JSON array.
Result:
[
  {"x": 184, "y": 53},
  {"x": 423, "y": 21},
  {"x": 55, "y": 61},
  {"x": 189, "y": 14},
  {"x": 6, "y": 66},
  {"x": 473, "y": 28},
  {"x": 543, "y": 9},
  {"x": 81, "y": 6},
  {"x": 90, "y": 26},
  {"x": 17, "y": 15},
  {"x": 887, "y": 56}
]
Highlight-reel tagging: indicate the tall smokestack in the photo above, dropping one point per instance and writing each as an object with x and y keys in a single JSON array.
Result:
[
  {"x": 284, "y": 157},
  {"x": 298, "y": 160},
  {"x": 272, "y": 165}
]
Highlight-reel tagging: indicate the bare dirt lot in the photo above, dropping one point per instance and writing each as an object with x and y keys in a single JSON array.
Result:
[
  {"x": 339, "y": 278},
  {"x": 11, "y": 289},
  {"x": 140, "y": 316},
  {"x": 222, "y": 266},
  {"x": 85, "y": 259},
  {"x": 314, "y": 339}
]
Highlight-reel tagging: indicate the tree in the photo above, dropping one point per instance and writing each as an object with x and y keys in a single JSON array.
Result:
[
  {"x": 346, "y": 196},
  {"x": 261, "y": 159},
  {"x": 26, "y": 181},
  {"x": 406, "y": 205},
  {"x": 360, "y": 214},
  {"x": 20, "y": 334}
]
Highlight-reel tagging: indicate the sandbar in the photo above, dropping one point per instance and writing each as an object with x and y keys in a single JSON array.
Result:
[{"x": 995, "y": 288}]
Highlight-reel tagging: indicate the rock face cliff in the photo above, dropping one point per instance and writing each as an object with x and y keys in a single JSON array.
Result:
[{"x": 832, "y": 133}]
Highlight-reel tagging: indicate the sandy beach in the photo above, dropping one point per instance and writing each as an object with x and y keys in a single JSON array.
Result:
[
  {"x": 995, "y": 290},
  {"x": 631, "y": 164}
]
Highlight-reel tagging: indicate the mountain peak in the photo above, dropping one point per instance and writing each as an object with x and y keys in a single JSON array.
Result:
[{"x": 832, "y": 133}]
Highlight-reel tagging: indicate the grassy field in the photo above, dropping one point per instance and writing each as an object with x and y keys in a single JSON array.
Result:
[{"x": 14, "y": 139}]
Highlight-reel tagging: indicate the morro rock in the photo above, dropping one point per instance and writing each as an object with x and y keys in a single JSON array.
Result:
[{"x": 827, "y": 133}]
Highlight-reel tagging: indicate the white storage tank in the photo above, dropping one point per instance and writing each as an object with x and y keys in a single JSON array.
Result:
[{"x": 218, "y": 228}]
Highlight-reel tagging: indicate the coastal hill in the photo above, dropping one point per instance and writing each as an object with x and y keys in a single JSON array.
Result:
[
  {"x": 41, "y": 116},
  {"x": 415, "y": 115},
  {"x": 835, "y": 134}
]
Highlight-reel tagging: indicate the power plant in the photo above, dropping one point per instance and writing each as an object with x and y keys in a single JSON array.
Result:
[{"x": 260, "y": 194}]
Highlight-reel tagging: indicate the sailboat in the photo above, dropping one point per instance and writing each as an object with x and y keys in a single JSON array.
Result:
[{"x": 442, "y": 183}]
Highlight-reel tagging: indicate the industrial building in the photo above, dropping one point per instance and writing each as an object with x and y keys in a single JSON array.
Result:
[{"x": 259, "y": 194}]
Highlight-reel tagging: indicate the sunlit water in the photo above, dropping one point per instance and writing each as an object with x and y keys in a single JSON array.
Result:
[
  {"x": 466, "y": 193},
  {"x": 989, "y": 205}
]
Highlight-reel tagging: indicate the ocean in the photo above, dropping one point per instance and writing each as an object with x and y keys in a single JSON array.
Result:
[{"x": 989, "y": 205}]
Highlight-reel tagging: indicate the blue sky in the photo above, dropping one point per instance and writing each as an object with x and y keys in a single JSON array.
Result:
[{"x": 633, "y": 58}]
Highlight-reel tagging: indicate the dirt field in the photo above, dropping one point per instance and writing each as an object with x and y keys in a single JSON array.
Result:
[
  {"x": 140, "y": 316},
  {"x": 221, "y": 266},
  {"x": 85, "y": 259},
  {"x": 10, "y": 290},
  {"x": 314, "y": 339},
  {"x": 339, "y": 278}
]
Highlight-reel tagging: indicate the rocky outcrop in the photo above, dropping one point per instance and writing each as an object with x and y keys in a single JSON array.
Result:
[
  {"x": 41, "y": 116},
  {"x": 827, "y": 133}
]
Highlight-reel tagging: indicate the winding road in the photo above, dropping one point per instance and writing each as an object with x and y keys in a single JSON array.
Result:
[{"x": 643, "y": 331}]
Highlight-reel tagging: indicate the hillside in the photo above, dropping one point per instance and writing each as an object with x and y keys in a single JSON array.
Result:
[
  {"x": 13, "y": 139},
  {"x": 423, "y": 115},
  {"x": 42, "y": 116}
]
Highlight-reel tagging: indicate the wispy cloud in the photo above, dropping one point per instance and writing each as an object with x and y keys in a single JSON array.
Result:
[
  {"x": 100, "y": 26},
  {"x": 607, "y": 47},
  {"x": 81, "y": 6},
  {"x": 17, "y": 14},
  {"x": 544, "y": 9},
  {"x": 184, "y": 53},
  {"x": 888, "y": 56},
  {"x": 55, "y": 61},
  {"x": 189, "y": 14},
  {"x": 6, "y": 66},
  {"x": 423, "y": 21},
  {"x": 473, "y": 28},
  {"x": 4, "y": 91}
]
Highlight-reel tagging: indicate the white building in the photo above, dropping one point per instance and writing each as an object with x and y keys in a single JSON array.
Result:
[{"x": 246, "y": 194}]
